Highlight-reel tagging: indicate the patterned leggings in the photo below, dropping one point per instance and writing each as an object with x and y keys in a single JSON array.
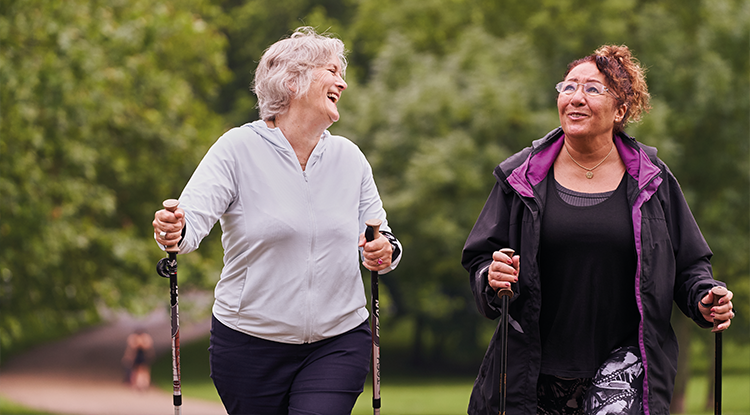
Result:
[{"x": 616, "y": 389}]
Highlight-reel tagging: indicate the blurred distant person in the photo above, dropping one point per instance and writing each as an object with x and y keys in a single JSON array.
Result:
[
  {"x": 605, "y": 242},
  {"x": 139, "y": 354},
  {"x": 289, "y": 333}
]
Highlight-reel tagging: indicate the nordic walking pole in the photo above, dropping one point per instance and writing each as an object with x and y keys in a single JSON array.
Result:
[
  {"x": 718, "y": 292},
  {"x": 167, "y": 267},
  {"x": 373, "y": 228},
  {"x": 505, "y": 295}
]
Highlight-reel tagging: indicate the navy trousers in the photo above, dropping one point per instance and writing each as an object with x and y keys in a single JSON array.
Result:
[{"x": 257, "y": 376}]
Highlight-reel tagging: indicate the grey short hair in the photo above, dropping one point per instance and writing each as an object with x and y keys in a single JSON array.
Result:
[{"x": 289, "y": 63}]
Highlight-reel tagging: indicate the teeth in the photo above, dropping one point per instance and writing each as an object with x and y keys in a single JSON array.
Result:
[{"x": 333, "y": 98}]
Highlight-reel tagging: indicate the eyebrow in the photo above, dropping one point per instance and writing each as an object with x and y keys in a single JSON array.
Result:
[{"x": 587, "y": 80}]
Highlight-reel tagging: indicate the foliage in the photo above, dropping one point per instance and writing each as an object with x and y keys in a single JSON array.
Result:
[
  {"x": 433, "y": 130},
  {"x": 451, "y": 92},
  {"x": 106, "y": 108},
  {"x": 251, "y": 26},
  {"x": 103, "y": 114}
]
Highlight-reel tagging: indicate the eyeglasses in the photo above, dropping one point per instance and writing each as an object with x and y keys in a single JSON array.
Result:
[{"x": 589, "y": 88}]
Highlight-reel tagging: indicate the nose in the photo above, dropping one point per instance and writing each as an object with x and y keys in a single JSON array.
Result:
[
  {"x": 341, "y": 84},
  {"x": 578, "y": 97}
]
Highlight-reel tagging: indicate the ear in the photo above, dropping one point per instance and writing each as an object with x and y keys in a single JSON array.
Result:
[
  {"x": 620, "y": 113},
  {"x": 292, "y": 85}
]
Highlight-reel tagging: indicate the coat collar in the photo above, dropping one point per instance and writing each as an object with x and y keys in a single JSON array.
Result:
[{"x": 639, "y": 162}]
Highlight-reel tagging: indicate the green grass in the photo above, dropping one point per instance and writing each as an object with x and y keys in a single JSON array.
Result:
[
  {"x": 735, "y": 395},
  {"x": 451, "y": 396},
  {"x": 414, "y": 395},
  {"x": 10, "y": 408}
]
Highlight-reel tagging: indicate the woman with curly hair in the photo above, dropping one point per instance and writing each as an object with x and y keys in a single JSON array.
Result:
[{"x": 605, "y": 242}]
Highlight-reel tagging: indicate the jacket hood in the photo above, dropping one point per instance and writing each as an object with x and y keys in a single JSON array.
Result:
[{"x": 276, "y": 138}]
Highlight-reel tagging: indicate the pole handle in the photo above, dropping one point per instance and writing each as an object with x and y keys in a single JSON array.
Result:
[
  {"x": 373, "y": 227},
  {"x": 506, "y": 291},
  {"x": 171, "y": 205},
  {"x": 718, "y": 293}
]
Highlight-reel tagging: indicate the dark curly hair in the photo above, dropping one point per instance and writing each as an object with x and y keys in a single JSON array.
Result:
[{"x": 625, "y": 77}]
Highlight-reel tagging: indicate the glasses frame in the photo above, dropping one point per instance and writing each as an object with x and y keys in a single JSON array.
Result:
[{"x": 559, "y": 86}]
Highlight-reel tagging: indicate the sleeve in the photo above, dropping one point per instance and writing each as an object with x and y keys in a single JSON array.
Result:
[
  {"x": 209, "y": 192},
  {"x": 694, "y": 275},
  {"x": 489, "y": 234},
  {"x": 371, "y": 207}
]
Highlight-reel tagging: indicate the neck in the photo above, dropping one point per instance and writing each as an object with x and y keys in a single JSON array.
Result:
[
  {"x": 586, "y": 151},
  {"x": 300, "y": 125},
  {"x": 302, "y": 133}
]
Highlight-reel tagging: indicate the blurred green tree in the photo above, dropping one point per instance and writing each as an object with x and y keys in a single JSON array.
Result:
[
  {"x": 252, "y": 26},
  {"x": 698, "y": 74},
  {"x": 102, "y": 115},
  {"x": 434, "y": 119},
  {"x": 107, "y": 107},
  {"x": 433, "y": 128}
]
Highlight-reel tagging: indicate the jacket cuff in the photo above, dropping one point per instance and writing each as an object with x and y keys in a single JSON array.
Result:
[
  {"x": 489, "y": 294},
  {"x": 397, "y": 250},
  {"x": 182, "y": 238}
]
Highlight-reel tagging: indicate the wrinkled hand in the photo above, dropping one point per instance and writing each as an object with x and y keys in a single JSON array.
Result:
[
  {"x": 721, "y": 312},
  {"x": 503, "y": 270},
  {"x": 377, "y": 253},
  {"x": 171, "y": 223}
]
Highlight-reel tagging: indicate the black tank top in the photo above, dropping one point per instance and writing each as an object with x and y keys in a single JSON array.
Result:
[{"x": 588, "y": 265}]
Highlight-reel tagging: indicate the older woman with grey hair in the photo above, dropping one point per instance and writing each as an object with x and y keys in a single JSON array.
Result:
[{"x": 289, "y": 331}]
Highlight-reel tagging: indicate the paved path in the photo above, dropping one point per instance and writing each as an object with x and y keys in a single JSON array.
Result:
[{"x": 82, "y": 375}]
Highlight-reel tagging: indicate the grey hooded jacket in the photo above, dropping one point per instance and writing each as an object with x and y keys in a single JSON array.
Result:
[{"x": 291, "y": 262}]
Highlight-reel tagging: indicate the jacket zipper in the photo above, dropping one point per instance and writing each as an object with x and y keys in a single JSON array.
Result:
[
  {"x": 638, "y": 293},
  {"x": 309, "y": 315}
]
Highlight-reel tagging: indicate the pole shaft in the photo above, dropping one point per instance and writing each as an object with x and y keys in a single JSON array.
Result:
[
  {"x": 717, "y": 375},
  {"x": 503, "y": 354},
  {"x": 171, "y": 205},
  {"x": 718, "y": 293},
  {"x": 505, "y": 295},
  {"x": 175, "y": 317},
  {"x": 371, "y": 233}
]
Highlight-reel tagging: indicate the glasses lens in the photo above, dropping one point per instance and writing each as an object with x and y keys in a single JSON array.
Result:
[
  {"x": 593, "y": 88},
  {"x": 566, "y": 87},
  {"x": 590, "y": 88}
]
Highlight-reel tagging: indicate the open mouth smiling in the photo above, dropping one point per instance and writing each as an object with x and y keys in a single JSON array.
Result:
[{"x": 333, "y": 97}]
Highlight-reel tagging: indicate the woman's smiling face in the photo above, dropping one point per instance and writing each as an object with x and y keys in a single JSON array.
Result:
[
  {"x": 583, "y": 115},
  {"x": 325, "y": 90}
]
